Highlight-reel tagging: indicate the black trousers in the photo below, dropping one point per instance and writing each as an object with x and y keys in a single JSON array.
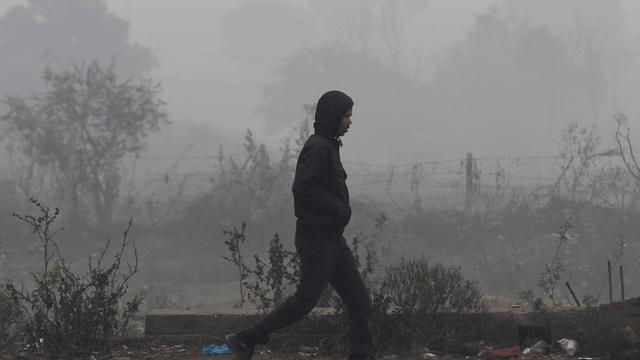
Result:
[{"x": 325, "y": 258}]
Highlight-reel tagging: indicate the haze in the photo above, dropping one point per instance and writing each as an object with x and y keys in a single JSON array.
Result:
[
  {"x": 222, "y": 63},
  {"x": 516, "y": 83}
]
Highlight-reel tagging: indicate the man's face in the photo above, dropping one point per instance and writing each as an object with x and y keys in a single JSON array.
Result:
[{"x": 345, "y": 123}]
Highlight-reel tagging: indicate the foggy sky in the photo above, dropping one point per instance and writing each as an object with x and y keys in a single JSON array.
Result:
[{"x": 213, "y": 81}]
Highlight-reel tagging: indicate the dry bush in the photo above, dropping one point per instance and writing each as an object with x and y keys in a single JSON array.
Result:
[{"x": 71, "y": 314}]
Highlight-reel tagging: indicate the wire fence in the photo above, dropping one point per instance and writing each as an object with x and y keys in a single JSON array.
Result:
[{"x": 439, "y": 183}]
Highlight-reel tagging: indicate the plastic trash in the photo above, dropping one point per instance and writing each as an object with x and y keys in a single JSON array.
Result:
[
  {"x": 530, "y": 334},
  {"x": 513, "y": 351},
  {"x": 215, "y": 350},
  {"x": 541, "y": 347},
  {"x": 569, "y": 346},
  {"x": 307, "y": 350},
  {"x": 630, "y": 336}
]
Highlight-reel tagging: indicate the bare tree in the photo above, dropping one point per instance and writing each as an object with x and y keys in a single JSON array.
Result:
[
  {"x": 625, "y": 148},
  {"x": 371, "y": 25},
  {"x": 81, "y": 127},
  {"x": 578, "y": 160}
]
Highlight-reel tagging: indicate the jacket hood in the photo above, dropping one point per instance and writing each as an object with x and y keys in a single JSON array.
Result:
[{"x": 331, "y": 107}]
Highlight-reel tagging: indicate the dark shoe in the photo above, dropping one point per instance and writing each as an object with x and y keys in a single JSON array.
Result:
[{"x": 241, "y": 347}]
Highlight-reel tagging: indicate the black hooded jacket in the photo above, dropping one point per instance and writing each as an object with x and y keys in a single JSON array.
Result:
[{"x": 321, "y": 198}]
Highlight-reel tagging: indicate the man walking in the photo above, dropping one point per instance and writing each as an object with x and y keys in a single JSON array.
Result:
[{"x": 321, "y": 202}]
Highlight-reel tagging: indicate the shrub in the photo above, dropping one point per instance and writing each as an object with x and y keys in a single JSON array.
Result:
[
  {"x": 69, "y": 314},
  {"x": 415, "y": 287},
  {"x": 416, "y": 303},
  {"x": 424, "y": 300},
  {"x": 10, "y": 316}
]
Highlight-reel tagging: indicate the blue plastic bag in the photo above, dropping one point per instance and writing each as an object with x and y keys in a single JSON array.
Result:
[{"x": 215, "y": 350}]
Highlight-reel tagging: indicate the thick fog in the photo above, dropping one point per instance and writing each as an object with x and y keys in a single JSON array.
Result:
[{"x": 432, "y": 80}]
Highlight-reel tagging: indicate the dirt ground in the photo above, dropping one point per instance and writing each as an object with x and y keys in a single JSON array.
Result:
[
  {"x": 151, "y": 350},
  {"x": 195, "y": 353},
  {"x": 190, "y": 348}
]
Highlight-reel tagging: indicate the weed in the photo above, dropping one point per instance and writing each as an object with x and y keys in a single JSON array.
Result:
[
  {"x": 10, "y": 316},
  {"x": 69, "y": 314},
  {"x": 272, "y": 279},
  {"x": 552, "y": 274},
  {"x": 234, "y": 239},
  {"x": 535, "y": 303}
]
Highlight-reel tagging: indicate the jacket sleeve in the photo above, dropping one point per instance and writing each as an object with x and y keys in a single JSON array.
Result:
[{"x": 312, "y": 165}]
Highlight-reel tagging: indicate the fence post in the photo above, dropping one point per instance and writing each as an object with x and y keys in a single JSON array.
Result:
[
  {"x": 621, "y": 283},
  {"x": 468, "y": 193},
  {"x": 610, "y": 286}
]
